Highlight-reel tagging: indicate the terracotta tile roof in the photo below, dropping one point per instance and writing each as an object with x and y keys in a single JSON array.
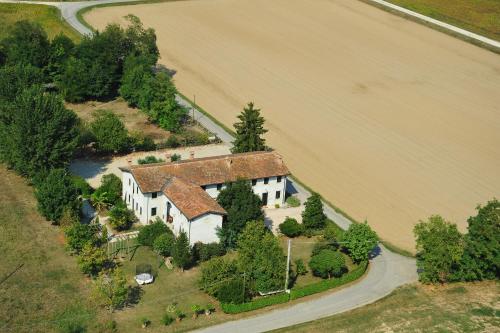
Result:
[
  {"x": 209, "y": 170},
  {"x": 190, "y": 198}
]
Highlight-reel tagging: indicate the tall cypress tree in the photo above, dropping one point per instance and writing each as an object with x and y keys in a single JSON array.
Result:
[
  {"x": 249, "y": 131},
  {"x": 181, "y": 252},
  {"x": 313, "y": 216}
]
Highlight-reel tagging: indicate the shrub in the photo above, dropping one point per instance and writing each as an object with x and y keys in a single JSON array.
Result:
[
  {"x": 145, "y": 322},
  {"x": 56, "y": 193},
  {"x": 167, "y": 319},
  {"x": 255, "y": 304},
  {"x": 111, "y": 185},
  {"x": 84, "y": 189},
  {"x": 150, "y": 160},
  {"x": 111, "y": 289},
  {"x": 142, "y": 142},
  {"x": 110, "y": 133},
  {"x": 214, "y": 271},
  {"x": 163, "y": 244},
  {"x": 120, "y": 217},
  {"x": 194, "y": 138},
  {"x": 291, "y": 228},
  {"x": 79, "y": 234},
  {"x": 313, "y": 216},
  {"x": 149, "y": 233},
  {"x": 175, "y": 158},
  {"x": 181, "y": 251},
  {"x": 233, "y": 291},
  {"x": 293, "y": 201},
  {"x": 92, "y": 259},
  {"x": 300, "y": 267},
  {"x": 359, "y": 240},
  {"x": 328, "y": 263},
  {"x": 203, "y": 252},
  {"x": 172, "y": 142}
]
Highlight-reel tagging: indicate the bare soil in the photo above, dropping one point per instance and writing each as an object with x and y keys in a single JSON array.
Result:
[{"x": 388, "y": 119}]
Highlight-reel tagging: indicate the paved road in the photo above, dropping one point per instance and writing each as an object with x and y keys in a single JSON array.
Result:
[{"x": 387, "y": 270}]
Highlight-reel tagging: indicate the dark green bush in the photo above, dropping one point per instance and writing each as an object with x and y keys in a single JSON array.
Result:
[
  {"x": 300, "y": 267},
  {"x": 111, "y": 184},
  {"x": 120, "y": 217},
  {"x": 255, "y": 304},
  {"x": 84, "y": 189},
  {"x": 150, "y": 160},
  {"x": 291, "y": 228},
  {"x": 163, "y": 244},
  {"x": 167, "y": 319},
  {"x": 293, "y": 201},
  {"x": 233, "y": 291},
  {"x": 204, "y": 252},
  {"x": 328, "y": 263},
  {"x": 149, "y": 233}
]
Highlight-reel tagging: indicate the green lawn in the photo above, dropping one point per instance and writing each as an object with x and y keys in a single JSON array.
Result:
[
  {"x": 479, "y": 16},
  {"x": 460, "y": 307},
  {"x": 47, "y": 292},
  {"x": 48, "y": 17}
]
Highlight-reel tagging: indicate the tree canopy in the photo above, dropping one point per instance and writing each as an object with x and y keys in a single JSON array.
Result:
[
  {"x": 359, "y": 240},
  {"x": 110, "y": 133},
  {"x": 249, "y": 131},
  {"x": 313, "y": 216},
  {"x": 328, "y": 263}
]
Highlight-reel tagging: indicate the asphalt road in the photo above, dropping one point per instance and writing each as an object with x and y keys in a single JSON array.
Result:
[{"x": 387, "y": 270}]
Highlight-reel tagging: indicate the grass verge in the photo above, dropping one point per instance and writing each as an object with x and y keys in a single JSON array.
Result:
[{"x": 48, "y": 17}]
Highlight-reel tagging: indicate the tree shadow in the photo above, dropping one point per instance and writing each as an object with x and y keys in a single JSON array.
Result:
[
  {"x": 134, "y": 295},
  {"x": 375, "y": 252}
]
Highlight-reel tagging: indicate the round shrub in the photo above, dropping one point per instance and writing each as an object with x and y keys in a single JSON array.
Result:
[
  {"x": 120, "y": 217},
  {"x": 328, "y": 263},
  {"x": 291, "y": 228},
  {"x": 163, "y": 244},
  {"x": 149, "y": 233},
  {"x": 293, "y": 201},
  {"x": 232, "y": 292},
  {"x": 203, "y": 252},
  {"x": 167, "y": 319}
]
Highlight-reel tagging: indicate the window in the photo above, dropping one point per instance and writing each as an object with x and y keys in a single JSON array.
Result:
[
  {"x": 129, "y": 182},
  {"x": 278, "y": 179},
  {"x": 153, "y": 211},
  {"x": 154, "y": 195},
  {"x": 278, "y": 194},
  {"x": 254, "y": 182},
  {"x": 129, "y": 198},
  {"x": 266, "y": 181},
  {"x": 136, "y": 206},
  {"x": 140, "y": 211},
  {"x": 219, "y": 187}
]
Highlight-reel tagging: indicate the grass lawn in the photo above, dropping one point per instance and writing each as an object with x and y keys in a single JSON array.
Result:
[
  {"x": 473, "y": 307},
  {"x": 479, "y": 16},
  {"x": 48, "y": 17},
  {"x": 48, "y": 291}
]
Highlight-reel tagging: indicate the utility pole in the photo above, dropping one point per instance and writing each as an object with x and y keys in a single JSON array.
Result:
[
  {"x": 288, "y": 264},
  {"x": 244, "y": 284}
]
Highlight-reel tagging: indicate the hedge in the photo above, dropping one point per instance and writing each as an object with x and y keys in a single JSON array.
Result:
[
  {"x": 256, "y": 304},
  {"x": 323, "y": 285},
  {"x": 296, "y": 292}
]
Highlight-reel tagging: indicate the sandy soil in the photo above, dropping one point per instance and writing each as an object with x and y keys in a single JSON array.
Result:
[{"x": 388, "y": 119}]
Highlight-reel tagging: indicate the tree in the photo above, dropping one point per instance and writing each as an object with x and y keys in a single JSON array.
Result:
[
  {"x": 120, "y": 217},
  {"x": 79, "y": 234},
  {"x": 181, "y": 251},
  {"x": 38, "y": 133},
  {"x": 439, "y": 249},
  {"x": 110, "y": 133},
  {"x": 163, "y": 244},
  {"x": 15, "y": 79},
  {"x": 328, "y": 263},
  {"x": 313, "y": 216},
  {"x": 359, "y": 240},
  {"x": 61, "y": 49},
  {"x": 291, "y": 228},
  {"x": 56, "y": 193},
  {"x": 27, "y": 44},
  {"x": 142, "y": 41},
  {"x": 481, "y": 259},
  {"x": 249, "y": 131},
  {"x": 149, "y": 233},
  {"x": 233, "y": 291},
  {"x": 137, "y": 71},
  {"x": 261, "y": 258},
  {"x": 92, "y": 259},
  {"x": 73, "y": 81},
  {"x": 214, "y": 272},
  {"x": 112, "y": 185},
  {"x": 241, "y": 205},
  {"x": 111, "y": 290}
]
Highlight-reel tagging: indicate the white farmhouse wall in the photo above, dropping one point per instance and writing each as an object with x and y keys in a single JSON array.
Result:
[{"x": 203, "y": 229}]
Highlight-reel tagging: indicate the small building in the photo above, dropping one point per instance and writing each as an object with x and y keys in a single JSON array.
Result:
[{"x": 183, "y": 194}]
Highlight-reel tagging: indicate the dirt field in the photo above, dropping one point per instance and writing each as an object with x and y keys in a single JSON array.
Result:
[{"x": 388, "y": 119}]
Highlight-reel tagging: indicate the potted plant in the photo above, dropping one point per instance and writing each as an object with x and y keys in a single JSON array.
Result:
[
  {"x": 145, "y": 322},
  {"x": 179, "y": 315},
  {"x": 209, "y": 309},
  {"x": 196, "y": 310}
]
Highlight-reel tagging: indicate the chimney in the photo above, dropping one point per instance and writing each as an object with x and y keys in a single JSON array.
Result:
[{"x": 191, "y": 154}]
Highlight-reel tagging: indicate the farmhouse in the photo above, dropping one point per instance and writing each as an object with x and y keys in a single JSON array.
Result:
[{"x": 183, "y": 194}]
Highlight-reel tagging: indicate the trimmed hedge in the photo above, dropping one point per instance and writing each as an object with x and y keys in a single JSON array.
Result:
[
  {"x": 321, "y": 286},
  {"x": 256, "y": 304}
]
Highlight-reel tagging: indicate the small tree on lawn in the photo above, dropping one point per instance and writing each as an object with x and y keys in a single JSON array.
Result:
[
  {"x": 439, "y": 249},
  {"x": 359, "y": 240},
  {"x": 92, "y": 259},
  {"x": 163, "y": 244},
  {"x": 291, "y": 228},
  {"x": 328, "y": 263},
  {"x": 80, "y": 234},
  {"x": 111, "y": 290},
  {"x": 313, "y": 216},
  {"x": 241, "y": 205},
  {"x": 249, "y": 131},
  {"x": 481, "y": 259},
  {"x": 214, "y": 271},
  {"x": 181, "y": 252},
  {"x": 110, "y": 133},
  {"x": 55, "y": 194}
]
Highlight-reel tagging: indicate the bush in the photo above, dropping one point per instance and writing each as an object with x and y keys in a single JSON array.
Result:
[
  {"x": 194, "y": 138},
  {"x": 111, "y": 184},
  {"x": 84, "y": 189},
  {"x": 149, "y": 233},
  {"x": 79, "y": 234},
  {"x": 171, "y": 142},
  {"x": 56, "y": 193},
  {"x": 110, "y": 133},
  {"x": 300, "y": 267},
  {"x": 291, "y": 228},
  {"x": 120, "y": 217},
  {"x": 111, "y": 289},
  {"x": 181, "y": 251},
  {"x": 359, "y": 240},
  {"x": 141, "y": 142},
  {"x": 327, "y": 264},
  {"x": 203, "y": 252},
  {"x": 175, "y": 158},
  {"x": 150, "y": 160},
  {"x": 323, "y": 285},
  {"x": 233, "y": 292},
  {"x": 163, "y": 244},
  {"x": 214, "y": 271},
  {"x": 167, "y": 319},
  {"x": 293, "y": 201},
  {"x": 92, "y": 259},
  {"x": 255, "y": 304}
]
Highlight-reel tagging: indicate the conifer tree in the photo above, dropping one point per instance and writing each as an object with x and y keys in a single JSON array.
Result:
[
  {"x": 313, "y": 216},
  {"x": 181, "y": 252},
  {"x": 249, "y": 131}
]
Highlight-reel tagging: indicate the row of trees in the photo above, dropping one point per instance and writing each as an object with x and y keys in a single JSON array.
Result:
[{"x": 445, "y": 255}]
